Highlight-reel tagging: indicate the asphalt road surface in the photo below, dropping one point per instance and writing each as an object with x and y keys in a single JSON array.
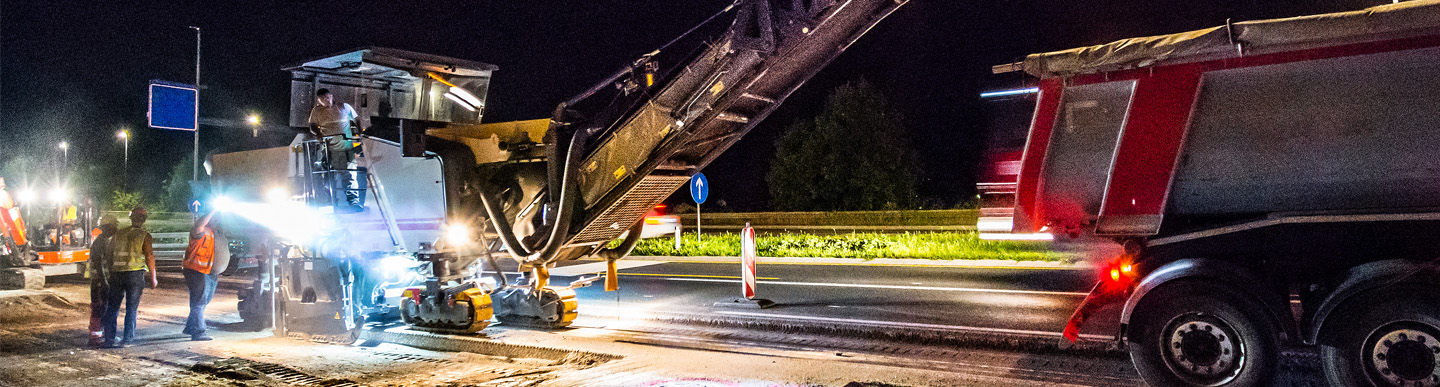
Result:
[{"x": 1000, "y": 299}]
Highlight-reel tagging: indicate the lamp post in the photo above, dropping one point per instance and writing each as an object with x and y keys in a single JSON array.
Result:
[
  {"x": 125, "y": 137},
  {"x": 65, "y": 156},
  {"x": 195, "y": 160},
  {"x": 254, "y": 121}
]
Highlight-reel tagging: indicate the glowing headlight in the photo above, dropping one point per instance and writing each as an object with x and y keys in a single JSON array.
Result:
[
  {"x": 59, "y": 195},
  {"x": 457, "y": 235},
  {"x": 25, "y": 196},
  {"x": 222, "y": 203}
]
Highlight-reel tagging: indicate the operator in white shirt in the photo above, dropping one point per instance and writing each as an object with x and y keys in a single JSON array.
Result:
[{"x": 332, "y": 123}]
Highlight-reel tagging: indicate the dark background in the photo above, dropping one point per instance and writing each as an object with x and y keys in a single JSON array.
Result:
[{"x": 77, "y": 71}]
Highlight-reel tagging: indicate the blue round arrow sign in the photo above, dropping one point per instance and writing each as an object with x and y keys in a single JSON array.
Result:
[{"x": 699, "y": 188}]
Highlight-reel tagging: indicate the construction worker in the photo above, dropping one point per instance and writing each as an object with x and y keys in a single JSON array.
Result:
[
  {"x": 132, "y": 256},
  {"x": 207, "y": 256},
  {"x": 331, "y": 123},
  {"x": 97, "y": 269}
]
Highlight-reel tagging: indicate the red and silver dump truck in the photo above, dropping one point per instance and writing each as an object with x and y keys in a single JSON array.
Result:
[{"x": 1274, "y": 182}]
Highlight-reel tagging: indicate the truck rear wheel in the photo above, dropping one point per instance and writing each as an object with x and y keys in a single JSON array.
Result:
[
  {"x": 1200, "y": 334},
  {"x": 1384, "y": 340}
]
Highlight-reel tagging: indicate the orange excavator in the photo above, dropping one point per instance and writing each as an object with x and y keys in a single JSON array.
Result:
[{"x": 59, "y": 247}]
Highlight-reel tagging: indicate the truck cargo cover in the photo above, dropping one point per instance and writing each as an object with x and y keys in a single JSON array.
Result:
[{"x": 1391, "y": 21}]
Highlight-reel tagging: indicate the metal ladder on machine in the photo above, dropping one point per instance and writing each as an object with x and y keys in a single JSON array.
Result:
[{"x": 325, "y": 184}]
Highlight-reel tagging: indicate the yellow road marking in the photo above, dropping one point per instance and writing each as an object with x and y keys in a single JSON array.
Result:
[{"x": 696, "y": 276}]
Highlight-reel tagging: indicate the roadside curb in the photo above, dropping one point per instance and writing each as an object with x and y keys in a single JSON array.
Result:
[{"x": 974, "y": 263}]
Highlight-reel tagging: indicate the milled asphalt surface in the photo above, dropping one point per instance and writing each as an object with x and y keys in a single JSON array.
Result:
[{"x": 1037, "y": 300}]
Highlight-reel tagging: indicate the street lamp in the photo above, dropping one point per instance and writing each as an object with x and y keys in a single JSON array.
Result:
[
  {"x": 65, "y": 159},
  {"x": 254, "y": 121},
  {"x": 125, "y": 137}
]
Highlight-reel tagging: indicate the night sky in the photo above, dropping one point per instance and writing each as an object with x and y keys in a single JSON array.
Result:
[{"x": 77, "y": 71}]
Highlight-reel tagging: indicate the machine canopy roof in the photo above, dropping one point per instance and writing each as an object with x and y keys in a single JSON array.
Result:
[
  {"x": 1391, "y": 21},
  {"x": 381, "y": 62}
]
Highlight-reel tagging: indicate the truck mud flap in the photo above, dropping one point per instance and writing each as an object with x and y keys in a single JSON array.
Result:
[{"x": 313, "y": 302}]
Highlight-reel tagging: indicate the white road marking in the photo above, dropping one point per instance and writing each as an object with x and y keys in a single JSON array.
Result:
[
  {"x": 901, "y": 287},
  {"x": 598, "y": 267},
  {"x": 909, "y": 325}
]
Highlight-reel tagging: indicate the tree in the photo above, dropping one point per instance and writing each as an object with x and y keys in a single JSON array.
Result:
[
  {"x": 855, "y": 155},
  {"x": 177, "y": 187},
  {"x": 121, "y": 200}
]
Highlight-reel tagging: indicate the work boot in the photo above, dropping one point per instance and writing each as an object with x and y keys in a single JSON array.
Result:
[{"x": 201, "y": 337}]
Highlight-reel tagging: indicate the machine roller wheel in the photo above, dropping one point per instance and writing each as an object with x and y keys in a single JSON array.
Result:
[
  {"x": 549, "y": 308},
  {"x": 462, "y": 310}
]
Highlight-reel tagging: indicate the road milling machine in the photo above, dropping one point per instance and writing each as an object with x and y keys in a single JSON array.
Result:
[{"x": 435, "y": 196}]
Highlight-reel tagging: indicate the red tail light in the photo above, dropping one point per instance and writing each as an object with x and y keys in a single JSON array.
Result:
[{"x": 1117, "y": 280}]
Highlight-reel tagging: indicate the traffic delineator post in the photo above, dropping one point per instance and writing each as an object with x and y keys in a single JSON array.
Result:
[
  {"x": 747, "y": 274},
  {"x": 747, "y": 262}
]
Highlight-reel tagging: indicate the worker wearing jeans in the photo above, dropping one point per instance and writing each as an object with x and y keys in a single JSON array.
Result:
[
  {"x": 132, "y": 256},
  {"x": 203, "y": 263},
  {"x": 97, "y": 269}
]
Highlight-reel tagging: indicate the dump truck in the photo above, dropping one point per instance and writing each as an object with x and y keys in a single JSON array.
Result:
[
  {"x": 1273, "y": 182},
  {"x": 436, "y": 196}
]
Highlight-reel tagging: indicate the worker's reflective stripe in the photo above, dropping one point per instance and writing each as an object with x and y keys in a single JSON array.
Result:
[
  {"x": 200, "y": 256},
  {"x": 128, "y": 245}
]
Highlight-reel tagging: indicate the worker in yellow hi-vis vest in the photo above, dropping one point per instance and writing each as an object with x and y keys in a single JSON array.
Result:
[{"x": 132, "y": 256}]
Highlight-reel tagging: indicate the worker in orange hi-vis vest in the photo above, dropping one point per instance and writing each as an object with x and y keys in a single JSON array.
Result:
[{"x": 206, "y": 257}]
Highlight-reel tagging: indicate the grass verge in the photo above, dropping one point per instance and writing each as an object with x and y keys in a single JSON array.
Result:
[{"x": 935, "y": 245}]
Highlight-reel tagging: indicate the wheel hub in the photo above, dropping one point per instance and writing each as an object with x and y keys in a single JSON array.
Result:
[
  {"x": 1407, "y": 357},
  {"x": 1204, "y": 351}
]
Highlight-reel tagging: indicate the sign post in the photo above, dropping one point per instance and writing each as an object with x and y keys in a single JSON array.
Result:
[{"x": 699, "y": 191}]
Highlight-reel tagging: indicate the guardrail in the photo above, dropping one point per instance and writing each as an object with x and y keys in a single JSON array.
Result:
[
  {"x": 169, "y": 249},
  {"x": 158, "y": 220},
  {"x": 838, "y": 221}
]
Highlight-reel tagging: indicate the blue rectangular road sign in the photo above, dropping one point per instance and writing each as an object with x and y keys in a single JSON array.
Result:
[{"x": 173, "y": 106}]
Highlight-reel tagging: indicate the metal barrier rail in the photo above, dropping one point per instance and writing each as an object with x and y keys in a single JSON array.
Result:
[{"x": 169, "y": 249}]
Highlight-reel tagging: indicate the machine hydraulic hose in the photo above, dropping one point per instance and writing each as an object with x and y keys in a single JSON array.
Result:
[{"x": 560, "y": 225}]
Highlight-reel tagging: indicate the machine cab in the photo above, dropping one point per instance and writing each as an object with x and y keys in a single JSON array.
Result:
[{"x": 388, "y": 89}]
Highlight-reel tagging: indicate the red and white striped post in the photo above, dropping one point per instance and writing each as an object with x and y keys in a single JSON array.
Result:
[
  {"x": 747, "y": 261},
  {"x": 747, "y": 274}
]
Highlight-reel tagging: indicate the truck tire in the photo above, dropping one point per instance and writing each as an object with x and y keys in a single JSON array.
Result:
[
  {"x": 1194, "y": 333},
  {"x": 1387, "y": 338}
]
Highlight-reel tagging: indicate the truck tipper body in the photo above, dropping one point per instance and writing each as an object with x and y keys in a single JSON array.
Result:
[{"x": 1273, "y": 182}]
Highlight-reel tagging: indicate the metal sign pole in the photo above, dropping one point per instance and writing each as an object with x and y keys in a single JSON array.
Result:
[
  {"x": 697, "y": 222},
  {"x": 195, "y": 154}
]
